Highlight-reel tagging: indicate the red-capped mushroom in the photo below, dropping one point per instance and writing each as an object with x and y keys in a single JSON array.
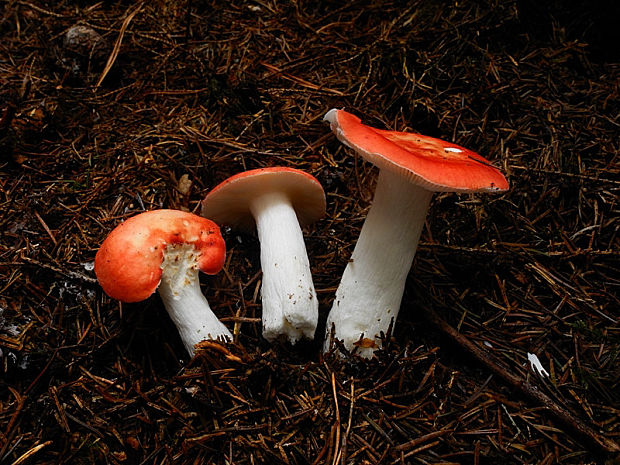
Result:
[
  {"x": 279, "y": 201},
  {"x": 163, "y": 250},
  {"x": 412, "y": 167}
]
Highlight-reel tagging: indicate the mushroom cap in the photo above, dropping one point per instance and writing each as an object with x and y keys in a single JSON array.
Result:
[
  {"x": 128, "y": 263},
  {"x": 431, "y": 163},
  {"x": 229, "y": 202}
]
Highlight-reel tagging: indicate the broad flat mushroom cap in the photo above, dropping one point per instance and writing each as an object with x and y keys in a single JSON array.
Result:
[
  {"x": 431, "y": 163},
  {"x": 229, "y": 202},
  {"x": 128, "y": 263}
]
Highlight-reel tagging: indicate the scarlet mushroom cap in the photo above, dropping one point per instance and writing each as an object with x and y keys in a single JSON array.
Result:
[
  {"x": 128, "y": 263},
  {"x": 412, "y": 167},
  {"x": 433, "y": 164},
  {"x": 277, "y": 201},
  {"x": 164, "y": 249}
]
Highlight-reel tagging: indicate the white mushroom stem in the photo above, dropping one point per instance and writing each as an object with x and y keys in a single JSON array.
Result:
[
  {"x": 372, "y": 285},
  {"x": 187, "y": 306},
  {"x": 290, "y": 306}
]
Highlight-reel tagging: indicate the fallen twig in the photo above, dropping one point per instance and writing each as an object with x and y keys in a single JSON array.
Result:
[{"x": 594, "y": 439}]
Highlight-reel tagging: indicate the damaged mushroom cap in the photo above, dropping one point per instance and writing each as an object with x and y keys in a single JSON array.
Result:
[
  {"x": 128, "y": 263},
  {"x": 433, "y": 164},
  {"x": 229, "y": 202}
]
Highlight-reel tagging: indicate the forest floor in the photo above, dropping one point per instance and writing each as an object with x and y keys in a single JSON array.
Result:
[{"x": 108, "y": 109}]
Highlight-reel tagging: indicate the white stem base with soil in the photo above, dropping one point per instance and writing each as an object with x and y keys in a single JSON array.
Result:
[
  {"x": 371, "y": 289},
  {"x": 290, "y": 305},
  {"x": 188, "y": 308}
]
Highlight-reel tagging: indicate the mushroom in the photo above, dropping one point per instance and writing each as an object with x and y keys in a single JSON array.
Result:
[
  {"x": 412, "y": 167},
  {"x": 279, "y": 201},
  {"x": 163, "y": 250}
]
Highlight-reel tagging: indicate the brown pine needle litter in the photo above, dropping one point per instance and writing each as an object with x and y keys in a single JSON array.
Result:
[{"x": 108, "y": 109}]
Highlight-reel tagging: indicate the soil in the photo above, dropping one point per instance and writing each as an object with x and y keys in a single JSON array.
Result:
[{"x": 108, "y": 109}]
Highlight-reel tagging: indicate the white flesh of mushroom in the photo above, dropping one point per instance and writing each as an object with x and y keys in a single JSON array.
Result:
[
  {"x": 187, "y": 306},
  {"x": 372, "y": 285},
  {"x": 290, "y": 306}
]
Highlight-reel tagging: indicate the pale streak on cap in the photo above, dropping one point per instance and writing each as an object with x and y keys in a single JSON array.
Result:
[{"x": 431, "y": 163}]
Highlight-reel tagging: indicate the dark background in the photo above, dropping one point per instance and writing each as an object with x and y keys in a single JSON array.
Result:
[{"x": 101, "y": 124}]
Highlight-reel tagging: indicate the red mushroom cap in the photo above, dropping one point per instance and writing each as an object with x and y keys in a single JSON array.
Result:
[
  {"x": 431, "y": 163},
  {"x": 229, "y": 202},
  {"x": 128, "y": 263}
]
